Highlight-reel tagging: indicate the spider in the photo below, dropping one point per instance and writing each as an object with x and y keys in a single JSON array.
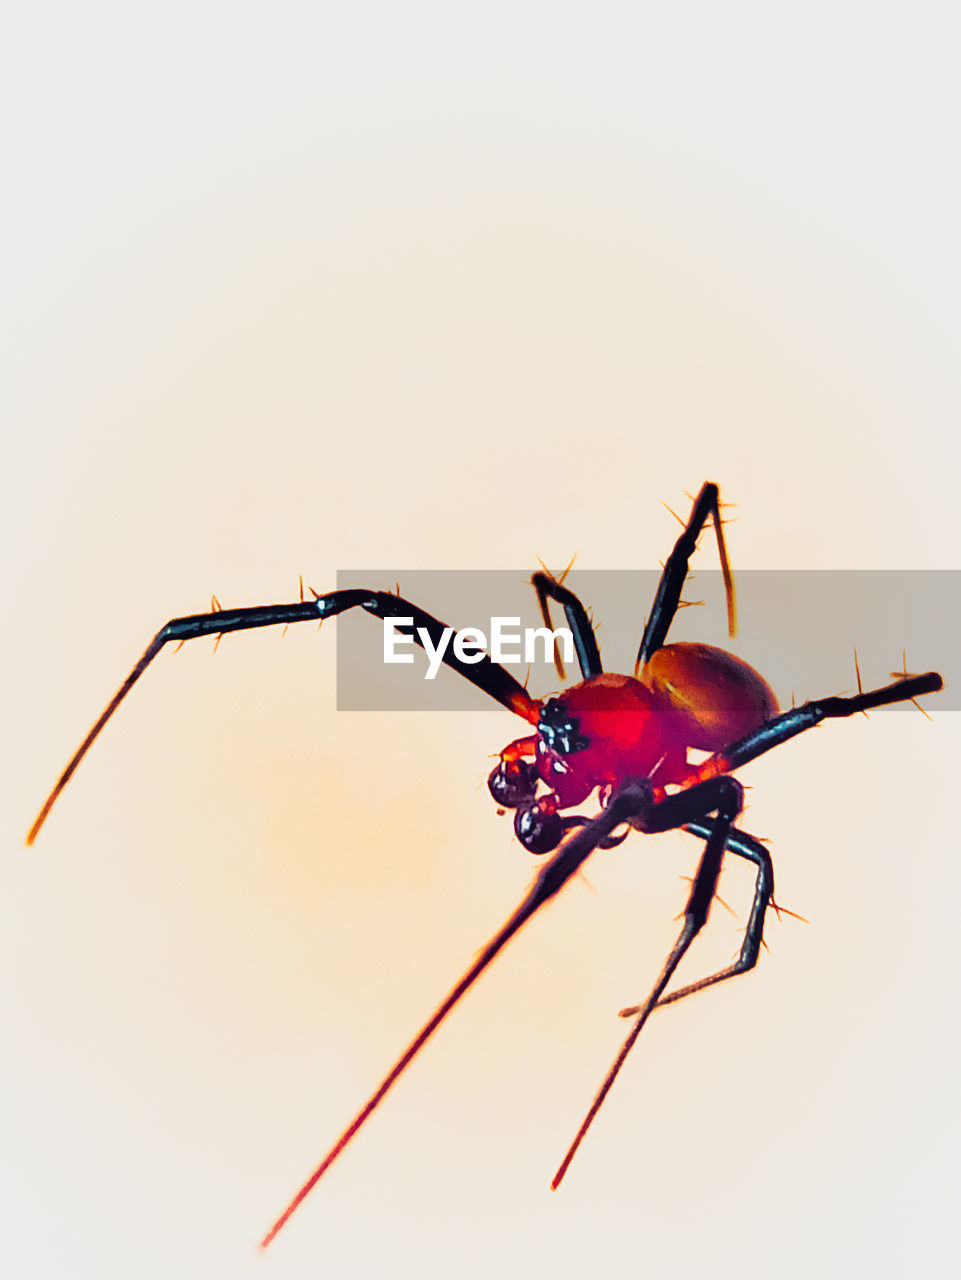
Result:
[{"x": 624, "y": 737}]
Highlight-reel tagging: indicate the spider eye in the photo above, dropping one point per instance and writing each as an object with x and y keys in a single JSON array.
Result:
[{"x": 560, "y": 731}]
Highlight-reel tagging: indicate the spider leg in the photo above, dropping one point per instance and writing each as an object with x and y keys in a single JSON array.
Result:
[
  {"x": 585, "y": 642},
  {"x": 667, "y": 599},
  {"x": 725, "y": 797},
  {"x": 771, "y": 735},
  {"x": 632, "y": 801},
  {"x": 488, "y": 676},
  {"x": 795, "y": 721},
  {"x": 745, "y": 846}
]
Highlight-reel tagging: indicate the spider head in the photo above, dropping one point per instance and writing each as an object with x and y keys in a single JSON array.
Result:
[{"x": 563, "y": 756}]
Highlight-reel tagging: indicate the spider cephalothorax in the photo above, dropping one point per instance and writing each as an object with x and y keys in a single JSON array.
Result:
[{"x": 613, "y": 727}]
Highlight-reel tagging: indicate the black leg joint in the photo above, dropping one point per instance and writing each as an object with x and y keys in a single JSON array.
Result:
[
  {"x": 585, "y": 642},
  {"x": 668, "y": 596},
  {"x": 723, "y": 796}
]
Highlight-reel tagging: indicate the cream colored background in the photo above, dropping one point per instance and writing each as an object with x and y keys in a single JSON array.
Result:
[{"x": 287, "y": 290}]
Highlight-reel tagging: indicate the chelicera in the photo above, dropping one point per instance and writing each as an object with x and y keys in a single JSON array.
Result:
[{"x": 625, "y": 739}]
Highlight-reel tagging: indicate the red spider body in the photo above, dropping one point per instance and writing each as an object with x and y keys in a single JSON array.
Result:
[
  {"x": 626, "y": 738},
  {"x": 711, "y": 697},
  {"x": 610, "y": 728}
]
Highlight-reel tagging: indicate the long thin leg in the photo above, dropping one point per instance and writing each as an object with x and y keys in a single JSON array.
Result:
[
  {"x": 633, "y": 800},
  {"x": 488, "y": 676},
  {"x": 725, "y": 797},
  {"x": 795, "y": 721},
  {"x": 585, "y": 642},
  {"x": 668, "y": 595},
  {"x": 745, "y": 846},
  {"x": 717, "y": 768}
]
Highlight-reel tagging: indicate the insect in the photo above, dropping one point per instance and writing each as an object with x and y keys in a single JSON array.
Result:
[{"x": 624, "y": 740}]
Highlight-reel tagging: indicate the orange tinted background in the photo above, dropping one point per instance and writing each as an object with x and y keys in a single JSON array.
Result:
[{"x": 292, "y": 293}]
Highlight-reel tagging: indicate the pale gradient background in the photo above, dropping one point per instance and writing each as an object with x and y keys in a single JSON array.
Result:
[{"x": 294, "y": 291}]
